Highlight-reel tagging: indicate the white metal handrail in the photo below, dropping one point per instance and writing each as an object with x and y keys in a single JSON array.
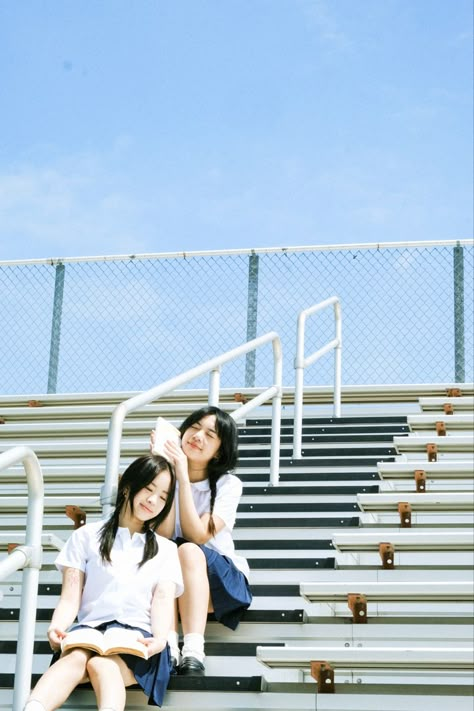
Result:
[
  {"x": 301, "y": 363},
  {"x": 28, "y": 557},
  {"x": 213, "y": 366}
]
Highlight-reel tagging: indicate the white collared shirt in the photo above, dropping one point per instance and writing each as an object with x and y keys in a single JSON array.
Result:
[
  {"x": 119, "y": 590},
  {"x": 228, "y": 493}
]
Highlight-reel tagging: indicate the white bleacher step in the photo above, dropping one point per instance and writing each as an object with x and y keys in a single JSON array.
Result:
[
  {"x": 427, "y": 591},
  {"x": 448, "y": 443},
  {"x": 52, "y": 504},
  {"x": 461, "y": 403},
  {"x": 453, "y": 423},
  {"x": 406, "y": 540},
  {"x": 433, "y": 659},
  {"x": 444, "y": 469},
  {"x": 425, "y": 501},
  {"x": 281, "y": 696}
]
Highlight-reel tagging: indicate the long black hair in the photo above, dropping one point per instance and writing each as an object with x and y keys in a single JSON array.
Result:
[
  {"x": 137, "y": 476},
  {"x": 226, "y": 458}
]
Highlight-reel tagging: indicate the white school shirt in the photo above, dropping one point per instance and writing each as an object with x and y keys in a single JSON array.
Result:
[
  {"x": 119, "y": 590},
  {"x": 228, "y": 493}
]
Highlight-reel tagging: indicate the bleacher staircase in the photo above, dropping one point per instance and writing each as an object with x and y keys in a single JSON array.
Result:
[{"x": 315, "y": 577}]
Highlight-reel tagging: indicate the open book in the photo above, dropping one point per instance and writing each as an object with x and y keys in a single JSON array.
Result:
[
  {"x": 115, "y": 640},
  {"x": 164, "y": 430}
]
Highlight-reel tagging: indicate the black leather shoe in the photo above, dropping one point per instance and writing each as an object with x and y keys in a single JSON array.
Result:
[
  {"x": 174, "y": 665},
  {"x": 190, "y": 666}
]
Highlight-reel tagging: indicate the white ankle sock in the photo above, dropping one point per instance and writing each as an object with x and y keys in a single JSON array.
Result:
[
  {"x": 173, "y": 641},
  {"x": 193, "y": 646},
  {"x": 34, "y": 705}
]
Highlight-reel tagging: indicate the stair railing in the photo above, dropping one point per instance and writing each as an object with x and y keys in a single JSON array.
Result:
[
  {"x": 27, "y": 557},
  {"x": 302, "y": 362},
  {"x": 212, "y": 366}
]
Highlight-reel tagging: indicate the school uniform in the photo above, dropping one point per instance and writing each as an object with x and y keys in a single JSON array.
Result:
[
  {"x": 120, "y": 593},
  {"x": 228, "y": 572}
]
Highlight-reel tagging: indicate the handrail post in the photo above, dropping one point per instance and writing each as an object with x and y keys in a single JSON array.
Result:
[
  {"x": 214, "y": 387},
  {"x": 301, "y": 363},
  {"x": 33, "y": 554},
  {"x": 276, "y": 413},
  {"x": 299, "y": 384},
  {"x": 338, "y": 360}
]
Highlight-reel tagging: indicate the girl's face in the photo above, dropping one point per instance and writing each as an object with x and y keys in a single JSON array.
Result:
[
  {"x": 200, "y": 442},
  {"x": 149, "y": 501}
]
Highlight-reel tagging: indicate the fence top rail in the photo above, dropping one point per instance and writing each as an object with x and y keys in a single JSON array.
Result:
[{"x": 53, "y": 261}]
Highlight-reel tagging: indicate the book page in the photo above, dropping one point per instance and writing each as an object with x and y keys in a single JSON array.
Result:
[
  {"x": 164, "y": 430},
  {"x": 87, "y": 638},
  {"x": 121, "y": 641},
  {"x": 116, "y": 640}
]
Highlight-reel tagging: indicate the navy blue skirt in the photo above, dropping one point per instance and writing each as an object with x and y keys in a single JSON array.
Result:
[
  {"x": 229, "y": 588},
  {"x": 152, "y": 674}
]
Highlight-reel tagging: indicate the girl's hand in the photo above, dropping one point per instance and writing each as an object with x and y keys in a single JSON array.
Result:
[
  {"x": 178, "y": 459},
  {"x": 55, "y": 635},
  {"x": 154, "y": 644}
]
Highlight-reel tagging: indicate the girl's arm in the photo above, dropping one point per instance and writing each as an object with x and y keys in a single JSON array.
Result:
[
  {"x": 167, "y": 527},
  {"x": 193, "y": 526},
  {"x": 67, "y": 607},
  {"x": 162, "y": 616}
]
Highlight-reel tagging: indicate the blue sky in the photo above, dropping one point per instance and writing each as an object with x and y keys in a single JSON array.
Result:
[{"x": 133, "y": 126}]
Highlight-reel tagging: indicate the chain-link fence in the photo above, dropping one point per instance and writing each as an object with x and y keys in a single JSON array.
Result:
[{"x": 128, "y": 323}]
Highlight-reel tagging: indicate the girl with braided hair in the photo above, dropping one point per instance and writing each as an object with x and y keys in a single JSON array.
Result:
[
  {"x": 201, "y": 521},
  {"x": 117, "y": 573}
]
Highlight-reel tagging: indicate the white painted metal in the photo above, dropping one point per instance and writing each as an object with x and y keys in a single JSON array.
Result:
[
  {"x": 452, "y": 422},
  {"x": 27, "y": 557},
  {"x": 302, "y": 362},
  {"x": 449, "y": 443},
  {"x": 432, "y": 658},
  {"x": 443, "y": 469},
  {"x": 408, "y": 540},
  {"x": 425, "y": 501},
  {"x": 427, "y": 591}
]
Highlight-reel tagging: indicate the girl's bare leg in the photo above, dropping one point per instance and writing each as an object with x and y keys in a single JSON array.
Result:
[
  {"x": 109, "y": 676},
  {"x": 194, "y": 602},
  {"x": 60, "y": 680}
]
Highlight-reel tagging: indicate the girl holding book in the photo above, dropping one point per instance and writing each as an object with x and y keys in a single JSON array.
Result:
[
  {"x": 117, "y": 573},
  {"x": 201, "y": 521}
]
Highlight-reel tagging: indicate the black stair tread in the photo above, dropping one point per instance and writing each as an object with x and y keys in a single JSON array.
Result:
[
  {"x": 285, "y": 544},
  {"x": 182, "y": 683},
  {"x": 225, "y": 648},
  {"x": 303, "y": 490},
  {"x": 338, "y": 452},
  {"x": 322, "y": 438},
  {"x": 325, "y": 428},
  {"x": 294, "y": 507},
  {"x": 290, "y": 563},
  {"x": 250, "y": 616},
  {"x": 308, "y": 476},
  {"x": 311, "y": 461},
  {"x": 349, "y": 420},
  {"x": 302, "y": 522}
]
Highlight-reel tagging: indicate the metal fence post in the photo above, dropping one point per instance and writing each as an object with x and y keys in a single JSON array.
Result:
[
  {"x": 56, "y": 328},
  {"x": 458, "y": 274},
  {"x": 252, "y": 308}
]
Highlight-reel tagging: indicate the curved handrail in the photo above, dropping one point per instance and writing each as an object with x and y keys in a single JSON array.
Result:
[
  {"x": 212, "y": 366},
  {"x": 301, "y": 363},
  {"x": 28, "y": 557}
]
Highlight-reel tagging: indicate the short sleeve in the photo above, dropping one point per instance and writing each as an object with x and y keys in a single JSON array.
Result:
[
  {"x": 75, "y": 552},
  {"x": 229, "y": 491}
]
